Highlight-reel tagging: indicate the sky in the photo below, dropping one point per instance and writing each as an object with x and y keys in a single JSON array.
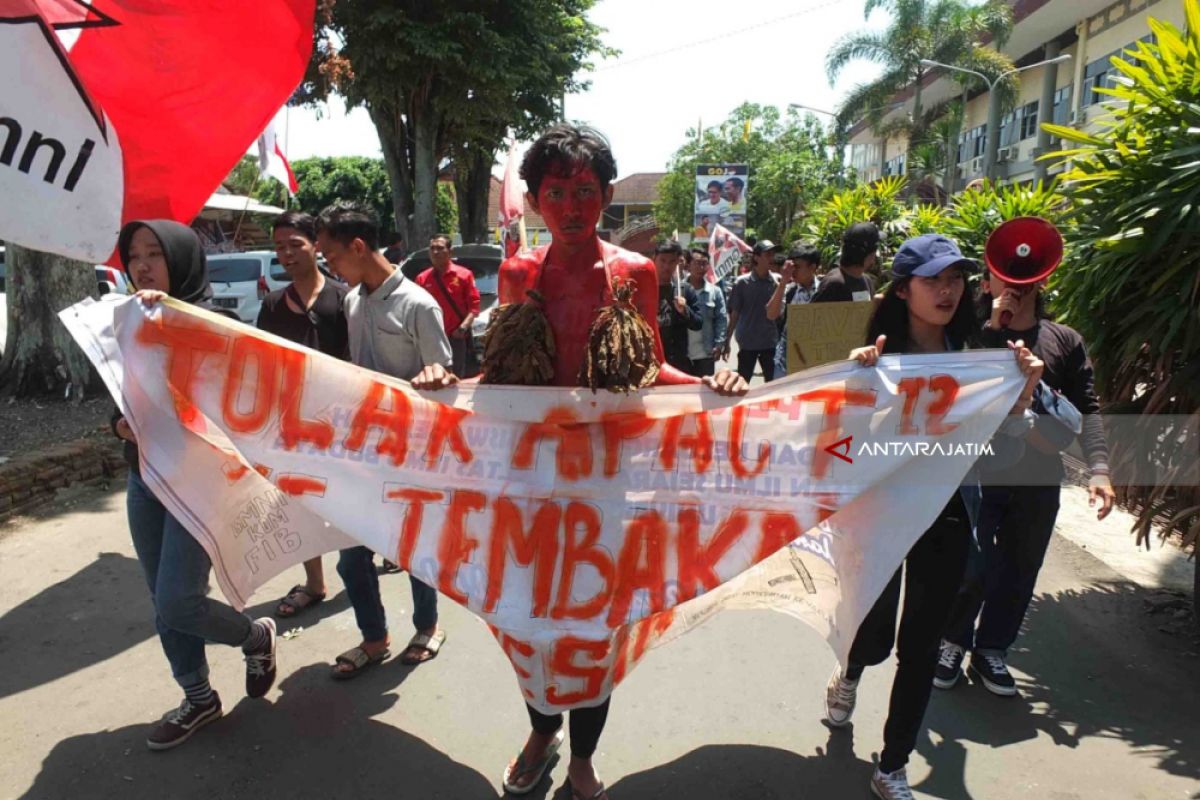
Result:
[{"x": 680, "y": 63}]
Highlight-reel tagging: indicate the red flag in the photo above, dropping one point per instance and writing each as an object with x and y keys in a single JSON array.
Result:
[
  {"x": 272, "y": 163},
  {"x": 512, "y": 197},
  {"x": 724, "y": 252},
  {"x": 139, "y": 111}
]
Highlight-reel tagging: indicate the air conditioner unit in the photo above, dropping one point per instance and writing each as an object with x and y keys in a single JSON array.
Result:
[
  {"x": 1005, "y": 154},
  {"x": 1079, "y": 116},
  {"x": 963, "y": 171},
  {"x": 976, "y": 165}
]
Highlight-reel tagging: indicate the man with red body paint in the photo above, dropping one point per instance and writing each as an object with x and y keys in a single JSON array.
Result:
[{"x": 569, "y": 172}]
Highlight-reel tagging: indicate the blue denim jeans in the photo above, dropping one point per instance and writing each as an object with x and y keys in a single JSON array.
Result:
[
  {"x": 177, "y": 569},
  {"x": 1016, "y": 523},
  {"x": 357, "y": 569}
]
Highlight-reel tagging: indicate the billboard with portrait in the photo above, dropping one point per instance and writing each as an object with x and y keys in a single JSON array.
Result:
[{"x": 721, "y": 192}]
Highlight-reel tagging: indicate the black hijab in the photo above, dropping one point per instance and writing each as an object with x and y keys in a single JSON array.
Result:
[{"x": 187, "y": 267}]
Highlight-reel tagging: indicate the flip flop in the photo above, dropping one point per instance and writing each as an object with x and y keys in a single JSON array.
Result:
[
  {"x": 537, "y": 769},
  {"x": 600, "y": 793},
  {"x": 359, "y": 660},
  {"x": 294, "y": 606},
  {"x": 422, "y": 641}
]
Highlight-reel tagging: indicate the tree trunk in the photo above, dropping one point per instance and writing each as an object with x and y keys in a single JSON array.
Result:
[
  {"x": 393, "y": 140},
  {"x": 472, "y": 183},
  {"x": 40, "y": 357},
  {"x": 425, "y": 174}
]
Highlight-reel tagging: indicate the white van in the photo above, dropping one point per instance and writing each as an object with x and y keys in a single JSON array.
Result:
[{"x": 240, "y": 281}]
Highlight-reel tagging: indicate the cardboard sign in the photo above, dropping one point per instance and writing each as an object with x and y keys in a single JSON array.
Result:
[{"x": 818, "y": 333}]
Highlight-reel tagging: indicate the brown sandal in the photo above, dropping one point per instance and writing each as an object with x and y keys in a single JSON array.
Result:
[
  {"x": 358, "y": 660},
  {"x": 421, "y": 644},
  {"x": 294, "y": 602}
]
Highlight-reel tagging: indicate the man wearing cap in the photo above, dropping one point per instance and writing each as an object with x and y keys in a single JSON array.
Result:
[
  {"x": 756, "y": 334},
  {"x": 798, "y": 286},
  {"x": 860, "y": 248}
]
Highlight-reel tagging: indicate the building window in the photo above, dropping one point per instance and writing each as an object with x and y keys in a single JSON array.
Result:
[
  {"x": 1062, "y": 105},
  {"x": 894, "y": 166},
  {"x": 1099, "y": 73},
  {"x": 1029, "y": 120},
  {"x": 972, "y": 143}
]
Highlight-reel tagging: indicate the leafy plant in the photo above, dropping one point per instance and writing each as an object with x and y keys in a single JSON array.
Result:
[
  {"x": 881, "y": 202},
  {"x": 973, "y": 215},
  {"x": 1133, "y": 289}
]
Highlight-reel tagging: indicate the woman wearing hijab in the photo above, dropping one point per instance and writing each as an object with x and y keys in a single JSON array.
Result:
[{"x": 164, "y": 258}]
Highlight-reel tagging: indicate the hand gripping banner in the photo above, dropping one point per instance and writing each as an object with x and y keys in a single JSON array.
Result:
[{"x": 582, "y": 528}]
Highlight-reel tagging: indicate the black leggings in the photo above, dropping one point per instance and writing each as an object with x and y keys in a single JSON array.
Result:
[
  {"x": 934, "y": 569},
  {"x": 586, "y": 726}
]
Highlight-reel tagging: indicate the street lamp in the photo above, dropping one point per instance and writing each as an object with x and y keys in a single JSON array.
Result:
[
  {"x": 803, "y": 107},
  {"x": 993, "y": 123}
]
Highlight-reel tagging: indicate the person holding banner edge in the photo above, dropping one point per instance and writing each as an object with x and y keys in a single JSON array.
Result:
[
  {"x": 569, "y": 171},
  {"x": 1021, "y": 504},
  {"x": 926, "y": 310},
  {"x": 164, "y": 258},
  {"x": 395, "y": 328}
]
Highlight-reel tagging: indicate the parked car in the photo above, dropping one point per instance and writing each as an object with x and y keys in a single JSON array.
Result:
[
  {"x": 484, "y": 261},
  {"x": 111, "y": 281},
  {"x": 240, "y": 281}
]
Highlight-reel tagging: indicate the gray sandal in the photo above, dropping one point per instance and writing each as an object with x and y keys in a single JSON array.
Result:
[{"x": 536, "y": 769}]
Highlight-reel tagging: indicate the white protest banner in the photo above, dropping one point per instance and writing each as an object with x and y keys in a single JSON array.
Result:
[{"x": 582, "y": 528}]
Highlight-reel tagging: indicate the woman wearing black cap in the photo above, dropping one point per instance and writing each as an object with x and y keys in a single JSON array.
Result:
[
  {"x": 927, "y": 309},
  {"x": 164, "y": 258}
]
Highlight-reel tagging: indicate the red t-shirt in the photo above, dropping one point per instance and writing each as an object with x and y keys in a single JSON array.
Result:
[{"x": 459, "y": 283}]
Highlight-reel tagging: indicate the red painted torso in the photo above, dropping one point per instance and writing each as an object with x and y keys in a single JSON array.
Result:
[{"x": 574, "y": 296}]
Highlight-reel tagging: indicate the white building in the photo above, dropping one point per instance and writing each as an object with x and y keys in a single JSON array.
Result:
[{"x": 1090, "y": 31}]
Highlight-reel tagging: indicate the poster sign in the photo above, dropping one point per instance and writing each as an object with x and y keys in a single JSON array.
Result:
[
  {"x": 818, "y": 333},
  {"x": 721, "y": 192},
  {"x": 582, "y": 527}
]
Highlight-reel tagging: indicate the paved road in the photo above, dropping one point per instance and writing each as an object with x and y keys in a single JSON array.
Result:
[{"x": 1109, "y": 703}]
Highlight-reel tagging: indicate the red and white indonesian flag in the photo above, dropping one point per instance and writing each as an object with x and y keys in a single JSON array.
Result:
[
  {"x": 512, "y": 193},
  {"x": 272, "y": 163},
  {"x": 582, "y": 527},
  {"x": 512, "y": 202},
  {"x": 724, "y": 252},
  {"x": 114, "y": 110}
]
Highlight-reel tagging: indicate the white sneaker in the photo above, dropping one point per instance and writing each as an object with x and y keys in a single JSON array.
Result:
[
  {"x": 840, "y": 696},
  {"x": 891, "y": 785}
]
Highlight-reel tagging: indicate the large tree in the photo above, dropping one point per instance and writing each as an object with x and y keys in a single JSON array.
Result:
[
  {"x": 40, "y": 357},
  {"x": 447, "y": 80},
  {"x": 948, "y": 31},
  {"x": 790, "y": 167}
]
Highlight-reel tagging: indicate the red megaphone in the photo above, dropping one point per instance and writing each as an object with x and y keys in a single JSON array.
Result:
[{"x": 1023, "y": 251}]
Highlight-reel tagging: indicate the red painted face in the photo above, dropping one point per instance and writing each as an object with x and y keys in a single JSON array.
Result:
[{"x": 571, "y": 205}]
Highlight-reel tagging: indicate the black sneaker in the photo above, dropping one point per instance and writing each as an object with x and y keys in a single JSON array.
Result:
[
  {"x": 992, "y": 671},
  {"x": 260, "y": 665},
  {"x": 949, "y": 666},
  {"x": 179, "y": 725}
]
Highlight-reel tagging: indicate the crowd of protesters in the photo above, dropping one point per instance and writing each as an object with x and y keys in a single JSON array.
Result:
[{"x": 968, "y": 579}]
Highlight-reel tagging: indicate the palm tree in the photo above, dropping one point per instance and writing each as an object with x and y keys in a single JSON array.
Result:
[{"x": 949, "y": 31}]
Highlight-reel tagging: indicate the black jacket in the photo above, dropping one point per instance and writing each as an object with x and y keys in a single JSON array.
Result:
[{"x": 673, "y": 326}]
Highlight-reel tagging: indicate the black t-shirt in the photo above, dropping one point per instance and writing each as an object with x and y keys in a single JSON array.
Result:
[
  {"x": 1069, "y": 371},
  {"x": 322, "y": 327},
  {"x": 838, "y": 287}
]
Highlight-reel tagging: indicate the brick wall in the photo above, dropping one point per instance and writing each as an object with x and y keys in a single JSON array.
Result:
[{"x": 29, "y": 481}]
